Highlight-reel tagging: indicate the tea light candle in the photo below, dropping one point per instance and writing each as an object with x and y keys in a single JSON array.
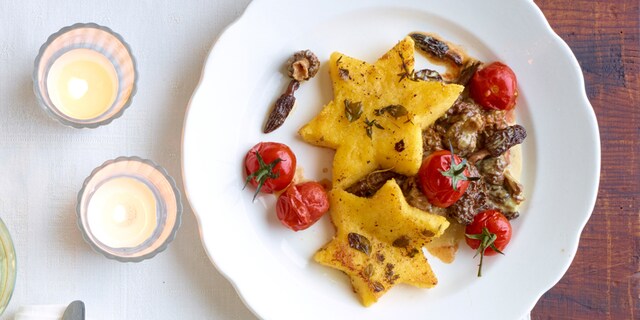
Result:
[
  {"x": 122, "y": 212},
  {"x": 7, "y": 266},
  {"x": 84, "y": 75},
  {"x": 129, "y": 209},
  {"x": 82, "y": 84}
]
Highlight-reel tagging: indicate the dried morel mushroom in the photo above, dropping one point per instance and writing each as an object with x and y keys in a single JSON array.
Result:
[
  {"x": 283, "y": 106},
  {"x": 303, "y": 65}
]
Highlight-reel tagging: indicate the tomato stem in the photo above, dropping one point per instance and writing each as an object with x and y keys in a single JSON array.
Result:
[
  {"x": 456, "y": 170},
  {"x": 487, "y": 240},
  {"x": 480, "y": 265},
  {"x": 264, "y": 172}
]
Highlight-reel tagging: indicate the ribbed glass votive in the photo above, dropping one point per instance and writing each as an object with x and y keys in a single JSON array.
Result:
[
  {"x": 129, "y": 209},
  {"x": 7, "y": 267},
  {"x": 84, "y": 75}
]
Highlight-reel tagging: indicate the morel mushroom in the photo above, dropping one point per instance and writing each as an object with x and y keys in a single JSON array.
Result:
[
  {"x": 302, "y": 66},
  {"x": 283, "y": 106},
  {"x": 436, "y": 47},
  {"x": 502, "y": 140},
  {"x": 499, "y": 141}
]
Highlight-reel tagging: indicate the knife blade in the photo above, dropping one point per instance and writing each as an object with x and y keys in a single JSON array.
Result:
[{"x": 74, "y": 311}]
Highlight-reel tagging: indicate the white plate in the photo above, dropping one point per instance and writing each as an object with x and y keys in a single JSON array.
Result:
[{"x": 272, "y": 267}]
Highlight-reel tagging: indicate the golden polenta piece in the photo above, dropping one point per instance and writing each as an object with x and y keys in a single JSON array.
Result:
[
  {"x": 378, "y": 241},
  {"x": 377, "y": 115},
  {"x": 386, "y": 215},
  {"x": 373, "y": 274}
]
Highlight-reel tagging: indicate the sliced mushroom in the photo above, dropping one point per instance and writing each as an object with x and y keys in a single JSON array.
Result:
[{"x": 514, "y": 187}]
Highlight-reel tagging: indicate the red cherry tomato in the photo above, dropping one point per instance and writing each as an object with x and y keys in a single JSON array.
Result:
[
  {"x": 301, "y": 205},
  {"x": 494, "y": 87},
  {"x": 489, "y": 233},
  {"x": 436, "y": 178},
  {"x": 269, "y": 166}
]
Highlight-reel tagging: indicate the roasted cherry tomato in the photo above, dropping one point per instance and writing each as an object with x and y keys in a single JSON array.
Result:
[
  {"x": 270, "y": 167},
  {"x": 489, "y": 233},
  {"x": 301, "y": 205},
  {"x": 494, "y": 87},
  {"x": 441, "y": 181}
]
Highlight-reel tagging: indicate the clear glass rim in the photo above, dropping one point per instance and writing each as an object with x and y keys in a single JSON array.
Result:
[
  {"x": 179, "y": 207},
  {"x": 80, "y": 124}
]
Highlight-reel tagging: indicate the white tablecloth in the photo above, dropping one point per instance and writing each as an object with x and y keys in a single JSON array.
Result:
[{"x": 44, "y": 163}]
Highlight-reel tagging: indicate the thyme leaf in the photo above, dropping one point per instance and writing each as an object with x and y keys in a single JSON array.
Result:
[
  {"x": 406, "y": 73},
  {"x": 359, "y": 242},
  {"x": 352, "y": 110},
  {"x": 401, "y": 242},
  {"x": 344, "y": 74},
  {"x": 394, "y": 110},
  {"x": 368, "y": 271},
  {"x": 369, "y": 126}
]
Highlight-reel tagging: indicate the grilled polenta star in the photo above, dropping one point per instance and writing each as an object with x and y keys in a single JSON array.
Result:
[
  {"x": 378, "y": 241},
  {"x": 377, "y": 115},
  {"x": 374, "y": 122}
]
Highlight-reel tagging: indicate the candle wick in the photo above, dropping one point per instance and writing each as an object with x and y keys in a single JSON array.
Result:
[
  {"x": 77, "y": 87},
  {"x": 120, "y": 214}
]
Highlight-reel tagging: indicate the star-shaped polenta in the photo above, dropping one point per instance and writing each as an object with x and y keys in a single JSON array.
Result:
[
  {"x": 377, "y": 115},
  {"x": 378, "y": 241}
]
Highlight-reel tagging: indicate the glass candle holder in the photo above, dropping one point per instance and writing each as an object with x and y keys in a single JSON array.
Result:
[
  {"x": 7, "y": 267},
  {"x": 129, "y": 209},
  {"x": 84, "y": 75}
]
